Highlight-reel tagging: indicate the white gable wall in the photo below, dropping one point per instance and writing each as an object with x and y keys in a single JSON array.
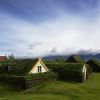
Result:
[
  {"x": 84, "y": 68},
  {"x": 35, "y": 69},
  {"x": 84, "y": 71}
]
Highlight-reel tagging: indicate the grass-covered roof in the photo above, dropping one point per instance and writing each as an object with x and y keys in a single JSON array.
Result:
[
  {"x": 72, "y": 67},
  {"x": 74, "y": 59},
  {"x": 94, "y": 64},
  {"x": 19, "y": 65},
  {"x": 94, "y": 60}
]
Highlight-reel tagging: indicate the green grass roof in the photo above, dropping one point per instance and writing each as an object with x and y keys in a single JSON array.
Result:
[
  {"x": 20, "y": 65},
  {"x": 75, "y": 59},
  {"x": 95, "y": 61},
  {"x": 77, "y": 67}
]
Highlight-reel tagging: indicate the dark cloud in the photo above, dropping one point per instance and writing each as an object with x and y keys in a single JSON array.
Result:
[
  {"x": 21, "y": 41},
  {"x": 36, "y": 10},
  {"x": 39, "y": 10},
  {"x": 54, "y": 50},
  {"x": 90, "y": 51},
  {"x": 34, "y": 45}
]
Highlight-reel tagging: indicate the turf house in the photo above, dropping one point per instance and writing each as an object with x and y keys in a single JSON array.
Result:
[
  {"x": 23, "y": 66},
  {"x": 70, "y": 71},
  {"x": 94, "y": 64}
]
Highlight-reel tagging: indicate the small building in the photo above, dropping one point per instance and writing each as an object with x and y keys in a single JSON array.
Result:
[
  {"x": 74, "y": 59},
  {"x": 94, "y": 64},
  {"x": 3, "y": 58}
]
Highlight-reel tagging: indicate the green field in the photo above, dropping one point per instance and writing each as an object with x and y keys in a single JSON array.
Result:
[{"x": 57, "y": 90}]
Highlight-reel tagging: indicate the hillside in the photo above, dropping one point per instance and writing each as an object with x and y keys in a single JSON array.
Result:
[
  {"x": 82, "y": 56},
  {"x": 57, "y": 90}
]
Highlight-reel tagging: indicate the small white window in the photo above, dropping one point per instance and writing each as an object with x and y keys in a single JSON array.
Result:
[{"x": 39, "y": 68}]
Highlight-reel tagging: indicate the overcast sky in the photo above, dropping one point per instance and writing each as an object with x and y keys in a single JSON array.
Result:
[{"x": 43, "y": 27}]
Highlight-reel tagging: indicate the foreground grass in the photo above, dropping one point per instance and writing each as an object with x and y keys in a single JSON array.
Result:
[{"x": 57, "y": 90}]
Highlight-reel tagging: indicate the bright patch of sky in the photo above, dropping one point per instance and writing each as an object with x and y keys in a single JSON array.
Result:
[{"x": 43, "y": 27}]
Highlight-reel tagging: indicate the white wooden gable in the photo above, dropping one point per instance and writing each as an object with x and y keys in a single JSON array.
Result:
[
  {"x": 39, "y": 67},
  {"x": 84, "y": 70}
]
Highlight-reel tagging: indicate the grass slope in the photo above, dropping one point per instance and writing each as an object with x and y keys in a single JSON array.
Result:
[{"x": 55, "y": 91}]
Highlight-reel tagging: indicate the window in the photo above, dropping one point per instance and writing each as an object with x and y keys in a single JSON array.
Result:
[
  {"x": 9, "y": 68},
  {"x": 39, "y": 68}
]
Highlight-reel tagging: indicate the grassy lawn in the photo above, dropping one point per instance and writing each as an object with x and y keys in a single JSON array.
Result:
[{"x": 90, "y": 90}]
